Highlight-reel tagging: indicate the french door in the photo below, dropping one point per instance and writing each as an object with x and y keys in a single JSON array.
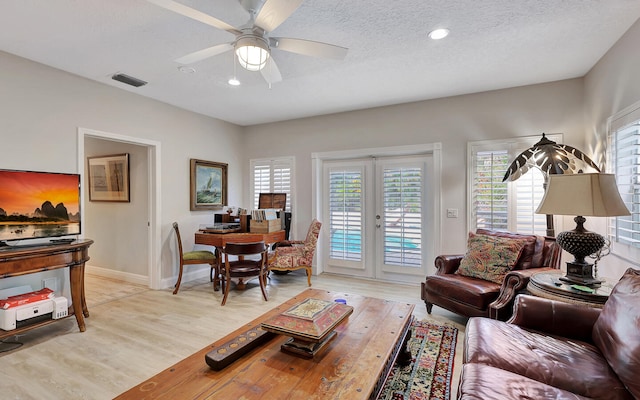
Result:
[{"x": 378, "y": 216}]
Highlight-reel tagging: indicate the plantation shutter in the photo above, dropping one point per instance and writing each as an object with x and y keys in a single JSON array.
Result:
[
  {"x": 490, "y": 197},
  {"x": 624, "y": 145},
  {"x": 402, "y": 198},
  {"x": 345, "y": 214},
  {"x": 272, "y": 176},
  {"x": 505, "y": 206}
]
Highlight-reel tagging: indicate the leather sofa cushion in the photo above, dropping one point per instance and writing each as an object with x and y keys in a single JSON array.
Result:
[
  {"x": 474, "y": 292},
  {"x": 571, "y": 365},
  {"x": 617, "y": 331},
  {"x": 482, "y": 382}
]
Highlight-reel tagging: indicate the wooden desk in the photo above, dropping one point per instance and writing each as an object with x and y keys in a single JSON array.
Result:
[
  {"x": 31, "y": 259},
  {"x": 353, "y": 366},
  {"x": 216, "y": 239}
]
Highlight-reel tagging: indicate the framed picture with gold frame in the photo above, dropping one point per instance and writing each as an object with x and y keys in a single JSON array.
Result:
[
  {"x": 208, "y": 185},
  {"x": 109, "y": 178}
]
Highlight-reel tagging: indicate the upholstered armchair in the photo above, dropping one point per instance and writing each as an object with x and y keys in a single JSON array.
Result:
[
  {"x": 473, "y": 294},
  {"x": 291, "y": 255}
]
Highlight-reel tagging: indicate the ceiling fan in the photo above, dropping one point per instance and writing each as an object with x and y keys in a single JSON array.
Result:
[{"x": 252, "y": 43}]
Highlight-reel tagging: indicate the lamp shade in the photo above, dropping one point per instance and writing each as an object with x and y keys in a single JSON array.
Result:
[{"x": 592, "y": 194}]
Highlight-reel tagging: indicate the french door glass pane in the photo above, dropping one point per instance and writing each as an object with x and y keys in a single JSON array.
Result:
[
  {"x": 402, "y": 199},
  {"x": 345, "y": 215}
]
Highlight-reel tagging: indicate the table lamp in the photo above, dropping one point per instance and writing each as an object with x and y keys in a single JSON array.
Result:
[{"x": 594, "y": 195}]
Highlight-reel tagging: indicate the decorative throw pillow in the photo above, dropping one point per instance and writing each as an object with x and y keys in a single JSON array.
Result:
[{"x": 490, "y": 257}]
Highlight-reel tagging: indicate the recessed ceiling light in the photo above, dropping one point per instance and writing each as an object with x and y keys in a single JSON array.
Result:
[
  {"x": 438, "y": 34},
  {"x": 234, "y": 82}
]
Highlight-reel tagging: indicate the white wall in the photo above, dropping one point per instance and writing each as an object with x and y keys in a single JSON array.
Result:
[
  {"x": 524, "y": 111},
  {"x": 612, "y": 85},
  {"x": 41, "y": 109}
]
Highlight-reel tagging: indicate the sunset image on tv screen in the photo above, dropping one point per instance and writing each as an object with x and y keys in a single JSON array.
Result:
[{"x": 38, "y": 204}]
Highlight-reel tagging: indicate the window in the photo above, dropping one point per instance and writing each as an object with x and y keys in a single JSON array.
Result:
[
  {"x": 272, "y": 176},
  {"x": 507, "y": 206},
  {"x": 624, "y": 162}
]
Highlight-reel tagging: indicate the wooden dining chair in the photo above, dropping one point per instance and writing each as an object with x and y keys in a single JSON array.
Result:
[
  {"x": 194, "y": 258},
  {"x": 244, "y": 266}
]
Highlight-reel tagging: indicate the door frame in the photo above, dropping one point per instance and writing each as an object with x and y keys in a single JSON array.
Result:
[
  {"x": 154, "y": 238},
  {"x": 317, "y": 165}
]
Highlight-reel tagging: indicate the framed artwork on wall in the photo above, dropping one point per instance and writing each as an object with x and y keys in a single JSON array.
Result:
[
  {"x": 208, "y": 185},
  {"x": 109, "y": 178}
]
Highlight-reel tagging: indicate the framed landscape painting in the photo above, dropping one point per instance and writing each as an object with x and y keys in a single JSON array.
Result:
[{"x": 208, "y": 185}]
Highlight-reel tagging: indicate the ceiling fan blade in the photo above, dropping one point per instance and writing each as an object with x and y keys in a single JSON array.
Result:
[
  {"x": 310, "y": 48},
  {"x": 270, "y": 72},
  {"x": 204, "y": 53},
  {"x": 275, "y": 12},
  {"x": 195, "y": 14}
]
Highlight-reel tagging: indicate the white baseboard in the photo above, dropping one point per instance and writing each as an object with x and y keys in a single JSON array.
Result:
[
  {"x": 120, "y": 275},
  {"x": 165, "y": 283}
]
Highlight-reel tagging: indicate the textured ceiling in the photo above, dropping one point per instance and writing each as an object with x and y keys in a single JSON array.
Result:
[{"x": 493, "y": 44}]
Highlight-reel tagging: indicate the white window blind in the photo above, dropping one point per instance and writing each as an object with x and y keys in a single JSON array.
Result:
[
  {"x": 272, "y": 176},
  {"x": 624, "y": 156},
  {"x": 345, "y": 214},
  {"x": 402, "y": 197},
  {"x": 490, "y": 197},
  {"x": 506, "y": 206}
]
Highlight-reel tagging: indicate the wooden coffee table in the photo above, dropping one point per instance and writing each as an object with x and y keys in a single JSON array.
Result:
[{"x": 354, "y": 365}]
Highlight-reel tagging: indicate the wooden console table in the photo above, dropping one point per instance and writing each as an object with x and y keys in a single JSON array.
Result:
[
  {"x": 354, "y": 365},
  {"x": 32, "y": 259}
]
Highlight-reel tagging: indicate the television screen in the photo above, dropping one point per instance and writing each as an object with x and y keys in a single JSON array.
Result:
[{"x": 38, "y": 204}]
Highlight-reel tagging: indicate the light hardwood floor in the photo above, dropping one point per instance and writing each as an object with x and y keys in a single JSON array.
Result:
[{"x": 134, "y": 332}]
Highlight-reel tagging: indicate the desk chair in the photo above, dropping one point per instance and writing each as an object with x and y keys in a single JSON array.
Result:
[
  {"x": 193, "y": 258},
  {"x": 243, "y": 268}
]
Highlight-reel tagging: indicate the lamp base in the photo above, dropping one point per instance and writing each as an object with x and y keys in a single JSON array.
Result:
[{"x": 580, "y": 274}]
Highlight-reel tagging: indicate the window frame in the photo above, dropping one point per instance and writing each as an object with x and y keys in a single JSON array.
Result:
[
  {"x": 513, "y": 147},
  {"x": 273, "y": 162},
  {"x": 618, "y": 122}
]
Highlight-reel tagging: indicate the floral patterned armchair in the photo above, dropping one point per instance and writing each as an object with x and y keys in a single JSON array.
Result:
[{"x": 291, "y": 255}]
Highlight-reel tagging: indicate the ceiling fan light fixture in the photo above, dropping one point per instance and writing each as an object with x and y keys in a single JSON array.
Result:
[{"x": 252, "y": 52}]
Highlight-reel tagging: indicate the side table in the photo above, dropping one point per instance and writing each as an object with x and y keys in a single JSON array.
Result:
[{"x": 549, "y": 286}]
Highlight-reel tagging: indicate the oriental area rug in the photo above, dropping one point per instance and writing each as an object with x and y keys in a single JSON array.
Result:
[{"x": 428, "y": 376}]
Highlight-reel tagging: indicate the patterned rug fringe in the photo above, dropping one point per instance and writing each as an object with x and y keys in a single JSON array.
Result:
[{"x": 429, "y": 375}]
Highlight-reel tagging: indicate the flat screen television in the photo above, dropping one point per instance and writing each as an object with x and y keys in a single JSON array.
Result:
[{"x": 36, "y": 205}]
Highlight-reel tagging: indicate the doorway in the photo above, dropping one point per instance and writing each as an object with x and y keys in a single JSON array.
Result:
[
  {"x": 379, "y": 214},
  {"x": 145, "y": 232}
]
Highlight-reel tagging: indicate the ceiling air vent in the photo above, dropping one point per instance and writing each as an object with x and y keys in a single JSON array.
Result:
[{"x": 129, "y": 80}]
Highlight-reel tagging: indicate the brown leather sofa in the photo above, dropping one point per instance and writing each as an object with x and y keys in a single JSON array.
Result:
[
  {"x": 473, "y": 297},
  {"x": 556, "y": 350}
]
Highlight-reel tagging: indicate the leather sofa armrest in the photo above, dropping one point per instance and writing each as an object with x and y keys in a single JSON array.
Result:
[
  {"x": 514, "y": 282},
  {"x": 447, "y": 264},
  {"x": 553, "y": 317}
]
